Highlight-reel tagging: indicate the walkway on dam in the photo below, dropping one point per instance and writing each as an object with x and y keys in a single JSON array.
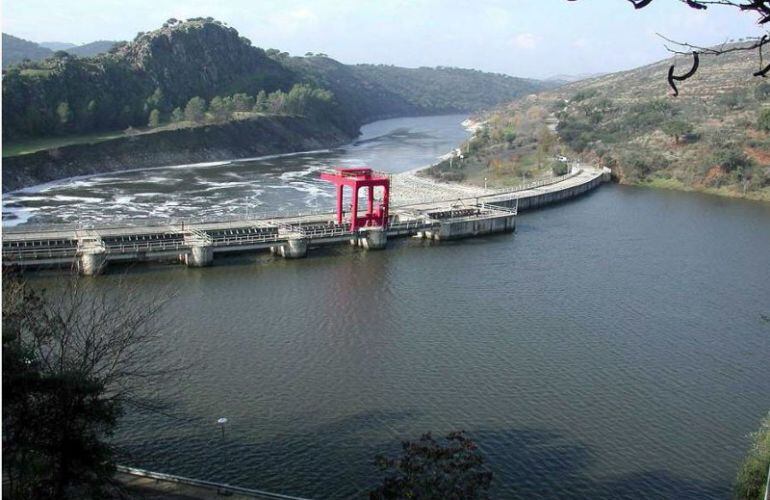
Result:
[{"x": 194, "y": 242}]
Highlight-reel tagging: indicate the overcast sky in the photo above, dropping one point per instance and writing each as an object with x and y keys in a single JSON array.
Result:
[{"x": 530, "y": 38}]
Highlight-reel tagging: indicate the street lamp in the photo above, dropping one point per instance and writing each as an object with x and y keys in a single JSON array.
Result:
[{"x": 221, "y": 423}]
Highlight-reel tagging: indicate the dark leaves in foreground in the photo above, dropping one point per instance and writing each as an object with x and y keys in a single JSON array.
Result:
[{"x": 452, "y": 468}]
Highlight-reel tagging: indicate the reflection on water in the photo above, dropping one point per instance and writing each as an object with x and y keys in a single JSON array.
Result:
[
  {"x": 285, "y": 183},
  {"x": 614, "y": 347}
]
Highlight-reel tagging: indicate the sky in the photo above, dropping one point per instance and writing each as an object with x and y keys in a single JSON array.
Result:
[{"x": 527, "y": 38}]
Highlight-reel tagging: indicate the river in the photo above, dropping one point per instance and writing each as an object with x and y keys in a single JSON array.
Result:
[
  {"x": 616, "y": 346},
  {"x": 285, "y": 183}
]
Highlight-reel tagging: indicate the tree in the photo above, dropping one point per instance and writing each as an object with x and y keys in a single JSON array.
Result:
[
  {"x": 195, "y": 110},
  {"x": 677, "y": 129},
  {"x": 752, "y": 477},
  {"x": 762, "y": 92},
  {"x": 763, "y": 123},
  {"x": 276, "y": 101},
  {"x": 242, "y": 102},
  {"x": 64, "y": 113},
  {"x": 154, "y": 119},
  {"x": 71, "y": 363},
  {"x": 429, "y": 469},
  {"x": 157, "y": 100},
  {"x": 218, "y": 109},
  {"x": 545, "y": 142},
  {"x": 177, "y": 115},
  {"x": 260, "y": 104}
]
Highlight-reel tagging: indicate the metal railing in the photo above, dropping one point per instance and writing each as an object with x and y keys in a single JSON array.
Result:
[
  {"x": 246, "y": 239},
  {"x": 414, "y": 225},
  {"x": 221, "y": 488},
  {"x": 39, "y": 253},
  {"x": 147, "y": 246}
]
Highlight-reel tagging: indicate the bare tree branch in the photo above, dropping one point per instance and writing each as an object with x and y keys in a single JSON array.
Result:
[{"x": 759, "y": 7}]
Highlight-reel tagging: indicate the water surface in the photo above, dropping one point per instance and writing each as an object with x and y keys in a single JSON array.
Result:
[
  {"x": 614, "y": 347},
  {"x": 286, "y": 183}
]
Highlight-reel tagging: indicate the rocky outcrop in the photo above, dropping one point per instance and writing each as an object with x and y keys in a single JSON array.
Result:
[{"x": 237, "y": 139}]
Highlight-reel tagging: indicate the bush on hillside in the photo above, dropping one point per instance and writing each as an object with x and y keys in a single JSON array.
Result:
[{"x": 752, "y": 476}]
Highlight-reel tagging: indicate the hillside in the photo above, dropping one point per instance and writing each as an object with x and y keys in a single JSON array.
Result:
[
  {"x": 220, "y": 141},
  {"x": 15, "y": 50},
  {"x": 709, "y": 138},
  {"x": 91, "y": 49},
  {"x": 57, "y": 45},
  {"x": 165, "y": 68},
  {"x": 447, "y": 90}
]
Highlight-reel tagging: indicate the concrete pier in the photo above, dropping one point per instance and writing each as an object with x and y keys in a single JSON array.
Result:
[
  {"x": 92, "y": 262},
  {"x": 374, "y": 238},
  {"x": 200, "y": 256},
  {"x": 294, "y": 248}
]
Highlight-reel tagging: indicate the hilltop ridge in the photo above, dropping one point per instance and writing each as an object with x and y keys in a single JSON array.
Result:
[
  {"x": 713, "y": 137},
  {"x": 164, "y": 68}
]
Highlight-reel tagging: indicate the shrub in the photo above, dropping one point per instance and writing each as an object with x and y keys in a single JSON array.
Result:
[
  {"x": 731, "y": 159},
  {"x": 762, "y": 92},
  {"x": 752, "y": 476},
  {"x": 764, "y": 120},
  {"x": 584, "y": 94},
  {"x": 559, "y": 168}
]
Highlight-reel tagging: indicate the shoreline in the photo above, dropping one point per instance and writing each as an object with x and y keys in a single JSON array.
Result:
[{"x": 228, "y": 142}]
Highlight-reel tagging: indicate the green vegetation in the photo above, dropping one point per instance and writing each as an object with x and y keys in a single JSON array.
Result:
[
  {"x": 713, "y": 138},
  {"x": 511, "y": 147},
  {"x": 120, "y": 89},
  {"x": 429, "y": 469},
  {"x": 165, "y": 69},
  {"x": 446, "y": 89},
  {"x": 763, "y": 123},
  {"x": 16, "y": 50},
  {"x": 752, "y": 476},
  {"x": 71, "y": 364},
  {"x": 33, "y": 145}
]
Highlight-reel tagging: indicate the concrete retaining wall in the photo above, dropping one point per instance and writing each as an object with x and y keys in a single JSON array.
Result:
[
  {"x": 534, "y": 201},
  {"x": 452, "y": 230}
]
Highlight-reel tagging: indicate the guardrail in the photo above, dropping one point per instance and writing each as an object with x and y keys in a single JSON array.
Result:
[
  {"x": 221, "y": 488},
  {"x": 150, "y": 246},
  {"x": 544, "y": 181},
  {"x": 39, "y": 253},
  {"x": 246, "y": 239}
]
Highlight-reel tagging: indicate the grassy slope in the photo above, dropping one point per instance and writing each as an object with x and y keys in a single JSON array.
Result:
[
  {"x": 619, "y": 120},
  {"x": 18, "y": 148}
]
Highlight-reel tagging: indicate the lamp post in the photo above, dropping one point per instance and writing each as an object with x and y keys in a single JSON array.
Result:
[{"x": 221, "y": 423}]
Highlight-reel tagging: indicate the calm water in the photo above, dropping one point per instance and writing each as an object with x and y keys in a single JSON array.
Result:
[{"x": 614, "y": 347}]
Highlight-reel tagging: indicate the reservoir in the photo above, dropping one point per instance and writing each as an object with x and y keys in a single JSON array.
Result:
[{"x": 616, "y": 346}]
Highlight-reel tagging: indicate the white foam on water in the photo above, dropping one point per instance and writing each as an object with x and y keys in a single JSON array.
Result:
[
  {"x": 147, "y": 195},
  {"x": 282, "y": 155},
  {"x": 213, "y": 186},
  {"x": 122, "y": 200},
  {"x": 87, "y": 199},
  {"x": 296, "y": 174}
]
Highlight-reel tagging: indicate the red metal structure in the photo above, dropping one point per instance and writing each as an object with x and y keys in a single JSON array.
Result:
[{"x": 357, "y": 178}]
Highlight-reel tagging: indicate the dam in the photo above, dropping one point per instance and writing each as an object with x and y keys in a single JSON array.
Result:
[{"x": 88, "y": 249}]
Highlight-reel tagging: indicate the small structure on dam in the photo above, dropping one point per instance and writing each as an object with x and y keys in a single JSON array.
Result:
[
  {"x": 89, "y": 250},
  {"x": 375, "y": 219},
  {"x": 357, "y": 178}
]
